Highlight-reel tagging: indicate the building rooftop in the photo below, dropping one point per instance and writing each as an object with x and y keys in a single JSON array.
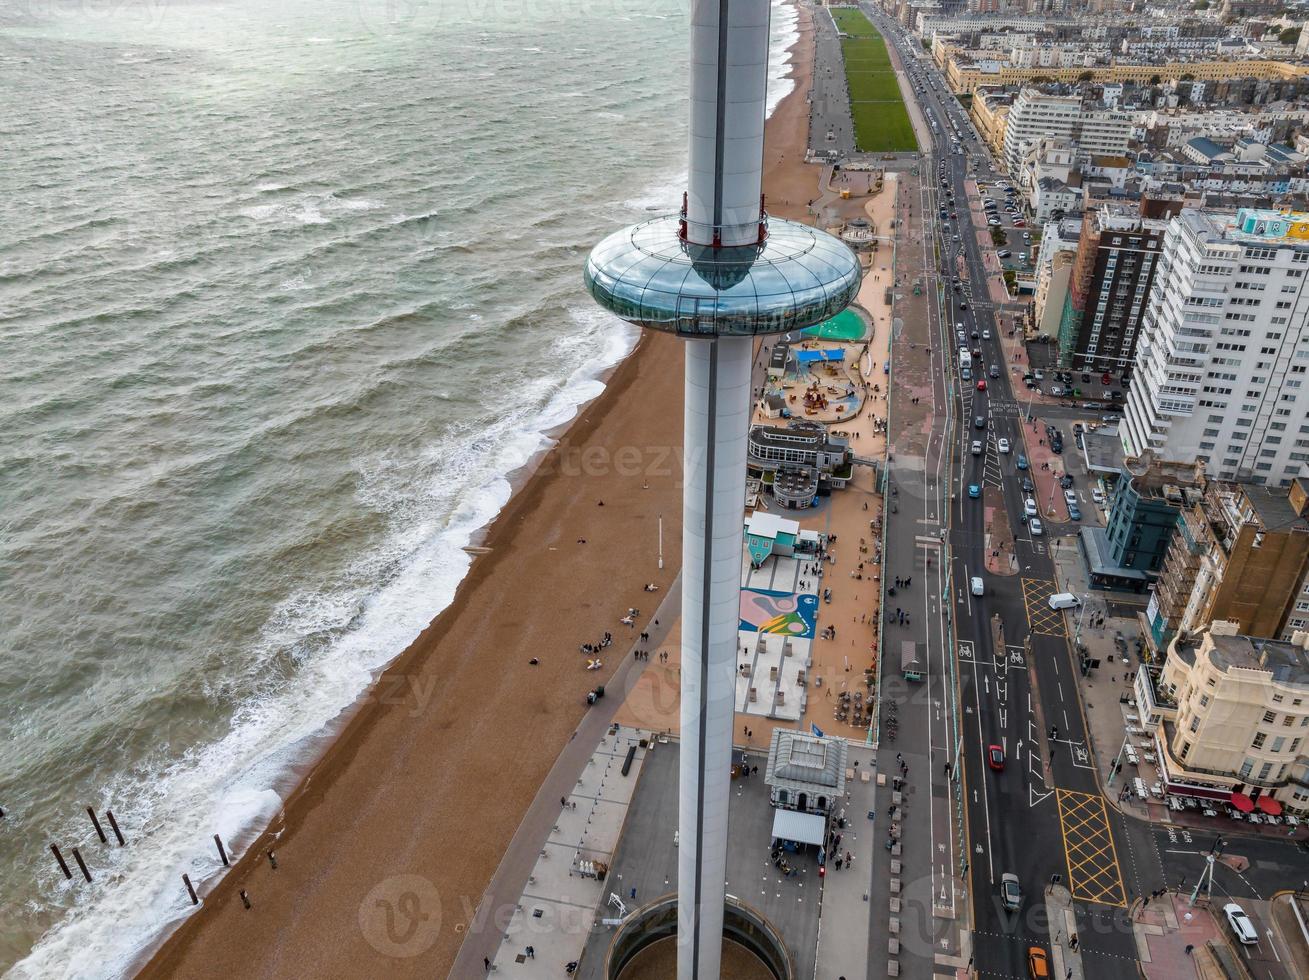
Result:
[
  {"x": 800, "y": 759},
  {"x": 770, "y": 525},
  {"x": 1272, "y": 507},
  {"x": 1287, "y": 662}
]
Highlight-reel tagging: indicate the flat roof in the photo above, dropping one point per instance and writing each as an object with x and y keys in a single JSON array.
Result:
[
  {"x": 1288, "y": 663},
  {"x": 1103, "y": 450},
  {"x": 770, "y": 525},
  {"x": 803, "y": 828},
  {"x": 1273, "y": 507},
  {"x": 1095, "y": 543}
]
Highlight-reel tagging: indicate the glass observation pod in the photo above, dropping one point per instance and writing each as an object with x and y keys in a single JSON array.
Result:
[{"x": 795, "y": 277}]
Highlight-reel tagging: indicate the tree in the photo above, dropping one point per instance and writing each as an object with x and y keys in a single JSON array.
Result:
[
  {"x": 1155, "y": 79},
  {"x": 1201, "y": 5},
  {"x": 1010, "y": 278},
  {"x": 1086, "y": 76},
  {"x": 1289, "y": 36}
]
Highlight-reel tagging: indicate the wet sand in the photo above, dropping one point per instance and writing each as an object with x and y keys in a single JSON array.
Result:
[{"x": 388, "y": 842}]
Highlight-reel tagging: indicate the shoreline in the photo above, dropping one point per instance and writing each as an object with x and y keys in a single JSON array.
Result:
[{"x": 426, "y": 781}]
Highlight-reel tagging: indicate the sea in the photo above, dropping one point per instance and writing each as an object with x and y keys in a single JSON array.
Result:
[{"x": 289, "y": 291}]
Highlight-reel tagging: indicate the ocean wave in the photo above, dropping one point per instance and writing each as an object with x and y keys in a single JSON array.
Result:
[{"x": 233, "y": 784}]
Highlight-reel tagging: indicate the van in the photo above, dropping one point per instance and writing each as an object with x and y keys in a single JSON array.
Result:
[
  {"x": 1064, "y": 600},
  {"x": 978, "y": 588}
]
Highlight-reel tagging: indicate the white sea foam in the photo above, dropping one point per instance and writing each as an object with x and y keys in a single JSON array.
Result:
[
  {"x": 227, "y": 786},
  {"x": 230, "y": 785}
]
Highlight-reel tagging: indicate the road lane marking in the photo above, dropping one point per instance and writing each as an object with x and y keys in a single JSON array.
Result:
[{"x": 1094, "y": 874}]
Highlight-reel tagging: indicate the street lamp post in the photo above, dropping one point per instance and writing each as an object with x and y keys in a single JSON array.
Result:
[{"x": 1113, "y": 769}]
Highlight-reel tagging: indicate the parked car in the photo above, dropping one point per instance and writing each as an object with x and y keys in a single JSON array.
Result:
[
  {"x": 1022, "y": 462},
  {"x": 1074, "y": 512},
  {"x": 1027, "y": 486},
  {"x": 1029, "y": 506},
  {"x": 1037, "y": 527}
]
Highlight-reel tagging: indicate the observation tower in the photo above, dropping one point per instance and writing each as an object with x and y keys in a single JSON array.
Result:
[{"x": 718, "y": 275}]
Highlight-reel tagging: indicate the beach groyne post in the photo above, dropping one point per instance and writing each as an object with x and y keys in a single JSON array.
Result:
[
  {"x": 245, "y": 899},
  {"x": 63, "y": 865},
  {"x": 222, "y": 853},
  {"x": 190, "y": 889},
  {"x": 81, "y": 864},
  {"x": 113, "y": 825},
  {"x": 272, "y": 859},
  {"x": 95, "y": 822}
]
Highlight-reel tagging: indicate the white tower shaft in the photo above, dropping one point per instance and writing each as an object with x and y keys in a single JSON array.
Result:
[
  {"x": 717, "y": 415},
  {"x": 729, "y": 87}
]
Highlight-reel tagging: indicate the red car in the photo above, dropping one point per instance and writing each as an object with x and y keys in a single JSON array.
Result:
[
  {"x": 981, "y": 385},
  {"x": 1104, "y": 378},
  {"x": 995, "y": 757}
]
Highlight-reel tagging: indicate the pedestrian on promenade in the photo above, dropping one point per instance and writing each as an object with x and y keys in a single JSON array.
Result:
[{"x": 486, "y": 964}]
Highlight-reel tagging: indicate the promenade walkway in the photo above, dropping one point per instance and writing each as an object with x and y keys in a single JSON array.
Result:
[{"x": 546, "y": 827}]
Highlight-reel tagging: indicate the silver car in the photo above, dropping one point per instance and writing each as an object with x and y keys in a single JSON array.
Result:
[{"x": 1011, "y": 893}]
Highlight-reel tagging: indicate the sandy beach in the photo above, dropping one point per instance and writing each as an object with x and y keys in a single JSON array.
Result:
[{"x": 424, "y": 786}]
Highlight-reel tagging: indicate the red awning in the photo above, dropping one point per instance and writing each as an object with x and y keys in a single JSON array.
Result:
[
  {"x": 1270, "y": 806},
  {"x": 1242, "y": 802}
]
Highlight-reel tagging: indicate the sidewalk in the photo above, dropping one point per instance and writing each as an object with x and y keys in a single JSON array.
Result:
[
  {"x": 850, "y": 908},
  {"x": 1171, "y": 939}
]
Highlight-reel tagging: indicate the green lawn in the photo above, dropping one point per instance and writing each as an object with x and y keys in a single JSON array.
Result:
[
  {"x": 873, "y": 86},
  {"x": 881, "y": 122},
  {"x": 853, "y": 22},
  {"x": 883, "y": 127}
]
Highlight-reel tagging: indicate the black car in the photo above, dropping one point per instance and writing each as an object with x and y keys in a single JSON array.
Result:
[
  {"x": 1066, "y": 482},
  {"x": 1027, "y": 484}
]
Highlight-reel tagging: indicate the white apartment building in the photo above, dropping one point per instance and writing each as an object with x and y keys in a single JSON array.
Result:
[
  {"x": 1239, "y": 718},
  {"x": 1223, "y": 355},
  {"x": 1036, "y": 114}
]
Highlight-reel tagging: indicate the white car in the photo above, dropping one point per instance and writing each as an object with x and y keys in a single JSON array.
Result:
[
  {"x": 1037, "y": 529},
  {"x": 1029, "y": 507},
  {"x": 986, "y": 334},
  {"x": 1241, "y": 924},
  {"x": 977, "y": 447},
  {"x": 978, "y": 588},
  {"x": 1070, "y": 497},
  {"x": 1097, "y": 496},
  {"x": 1002, "y": 445}
]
